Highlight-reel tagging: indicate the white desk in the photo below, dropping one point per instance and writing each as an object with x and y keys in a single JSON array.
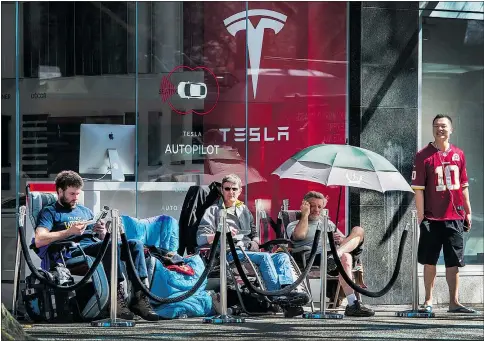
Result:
[{"x": 154, "y": 198}]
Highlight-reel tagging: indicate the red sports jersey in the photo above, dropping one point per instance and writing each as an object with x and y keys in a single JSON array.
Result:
[{"x": 442, "y": 176}]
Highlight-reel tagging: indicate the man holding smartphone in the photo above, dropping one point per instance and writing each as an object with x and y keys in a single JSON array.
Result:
[
  {"x": 349, "y": 248},
  {"x": 439, "y": 179},
  {"x": 67, "y": 220}
]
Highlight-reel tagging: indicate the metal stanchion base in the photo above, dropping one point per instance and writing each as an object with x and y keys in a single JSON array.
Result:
[
  {"x": 222, "y": 319},
  {"x": 119, "y": 323},
  {"x": 319, "y": 315},
  {"x": 415, "y": 313}
]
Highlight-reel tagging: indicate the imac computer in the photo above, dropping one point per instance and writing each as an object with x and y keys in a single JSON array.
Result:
[{"x": 107, "y": 148}]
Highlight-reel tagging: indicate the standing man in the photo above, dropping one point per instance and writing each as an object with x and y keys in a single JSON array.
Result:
[{"x": 439, "y": 179}]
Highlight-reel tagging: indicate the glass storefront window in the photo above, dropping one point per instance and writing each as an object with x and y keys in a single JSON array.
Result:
[
  {"x": 77, "y": 96},
  {"x": 208, "y": 89},
  {"x": 452, "y": 84},
  {"x": 242, "y": 87},
  {"x": 282, "y": 85}
]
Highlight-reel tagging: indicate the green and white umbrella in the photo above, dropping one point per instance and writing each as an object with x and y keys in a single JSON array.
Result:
[{"x": 343, "y": 165}]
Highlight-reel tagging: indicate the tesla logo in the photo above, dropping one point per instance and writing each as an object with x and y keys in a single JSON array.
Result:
[
  {"x": 354, "y": 179},
  {"x": 111, "y": 136},
  {"x": 255, "y": 35},
  {"x": 255, "y": 134}
]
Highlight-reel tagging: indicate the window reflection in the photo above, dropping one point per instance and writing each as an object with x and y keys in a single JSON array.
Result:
[{"x": 452, "y": 83}]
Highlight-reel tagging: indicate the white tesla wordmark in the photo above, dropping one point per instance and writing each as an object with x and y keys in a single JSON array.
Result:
[{"x": 255, "y": 35}]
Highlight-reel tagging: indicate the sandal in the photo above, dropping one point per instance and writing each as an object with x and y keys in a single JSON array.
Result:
[
  {"x": 425, "y": 308},
  {"x": 462, "y": 310}
]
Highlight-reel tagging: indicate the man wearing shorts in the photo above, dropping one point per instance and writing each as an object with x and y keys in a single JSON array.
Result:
[
  {"x": 302, "y": 232},
  {"x": 439, "y": 179}
]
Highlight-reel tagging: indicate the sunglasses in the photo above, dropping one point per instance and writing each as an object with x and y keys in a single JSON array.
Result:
[{"x": 227, "y": 189}]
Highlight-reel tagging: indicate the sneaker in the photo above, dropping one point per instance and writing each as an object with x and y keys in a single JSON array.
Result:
[
  {"x": 142, "y": 307},
  {"x": 293, "y": 311},
  {"x": 331, "y": 264},
  {"x": 122, "y": 310},
  {"x": 292, "y": 299},
  {"x": 358, "y": 310}
]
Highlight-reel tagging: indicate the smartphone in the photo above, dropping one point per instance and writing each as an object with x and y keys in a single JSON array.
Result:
[
  {"x": 88, "y": 222},
  {"x": 101, "y": 215},
  {"x": 466, "y": 225}
]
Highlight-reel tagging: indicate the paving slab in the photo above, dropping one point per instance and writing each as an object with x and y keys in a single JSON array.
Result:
[{"x": 383, "y": 326}]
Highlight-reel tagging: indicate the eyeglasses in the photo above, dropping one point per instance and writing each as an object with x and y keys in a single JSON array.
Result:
[{"x": 227, "y": 189}]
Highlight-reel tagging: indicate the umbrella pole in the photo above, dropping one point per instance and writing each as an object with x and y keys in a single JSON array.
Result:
[
  {"x": 323, "y": 314},
  {"x": 337, "y": 208},
  {"x": 415, "y": 312}
]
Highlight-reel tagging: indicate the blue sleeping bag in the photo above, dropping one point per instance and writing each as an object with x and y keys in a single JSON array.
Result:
[{"x": 162, "y": 232}]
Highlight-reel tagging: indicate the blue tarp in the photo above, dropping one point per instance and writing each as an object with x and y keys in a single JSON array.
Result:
[{"x": 162, "y": 232}]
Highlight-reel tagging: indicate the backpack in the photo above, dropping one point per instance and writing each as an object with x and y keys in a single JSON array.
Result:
[
  {"x": 45, "y": 304},
  {"x": 197, "y": 201}
]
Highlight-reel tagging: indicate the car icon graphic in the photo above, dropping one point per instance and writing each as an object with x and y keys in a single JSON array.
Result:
[{"x": 192, "y": 90}]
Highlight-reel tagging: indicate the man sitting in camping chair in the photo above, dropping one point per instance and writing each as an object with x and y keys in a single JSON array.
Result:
[
  {"x": 349, "y": 249},
  {"x": 65, "y": 219},
  {"x": 275, "y": 268}
]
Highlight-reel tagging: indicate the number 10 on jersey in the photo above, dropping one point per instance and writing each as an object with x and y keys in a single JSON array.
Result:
[{"x": 451, "y": 173}]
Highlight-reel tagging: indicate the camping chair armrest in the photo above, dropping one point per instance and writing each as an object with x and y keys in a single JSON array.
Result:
[
  {"x": 301, "y": 250},
  {"x": 62, "y": 243},
  {"x": 277, "y": 241}
]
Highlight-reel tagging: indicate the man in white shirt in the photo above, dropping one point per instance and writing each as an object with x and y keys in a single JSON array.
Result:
[{"x": 302, "y": 232}]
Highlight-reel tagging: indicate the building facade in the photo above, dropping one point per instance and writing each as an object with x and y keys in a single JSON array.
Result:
[{"x": 239, "y": 87}]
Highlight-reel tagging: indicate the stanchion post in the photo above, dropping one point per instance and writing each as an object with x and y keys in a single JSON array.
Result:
[
  {"x": 285, "y": 204},
  {"x": 223, "y": 317},
  {"x": 323, "y": 264},
  {"x": 257, "y": 216},
  {"x": 323, "y": 314},
  {"x": 415, "y": 291},
  {"x": 18, "y": 255},
  {"x": 114, "y": 266},
  {"x": 415, "y": 312},
  {"x": 113, "y": 321},
  {"x": 223, "y": 264}
]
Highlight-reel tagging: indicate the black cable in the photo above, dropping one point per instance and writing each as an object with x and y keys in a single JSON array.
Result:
[
  {"x": 51, "y": 284},
  {"x": 356, "y": 287},
  {"x": 280, "y": 292},
  {"x": 182, "y": 297}
]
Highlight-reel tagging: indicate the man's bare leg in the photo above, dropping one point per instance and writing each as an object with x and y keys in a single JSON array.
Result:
[
  {"x": 352, "y": 309},
  {"x": 352, "y": 241},
  {"x": 430, "y": 271},
  {"x": 452, "y": 276},
  {"x": 347, "y": 262}
]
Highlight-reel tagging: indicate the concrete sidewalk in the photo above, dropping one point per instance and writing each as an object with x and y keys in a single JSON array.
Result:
[{"x": 383, "y": 326}]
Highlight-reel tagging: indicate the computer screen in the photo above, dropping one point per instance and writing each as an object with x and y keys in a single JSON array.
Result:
[{"x": 107, "y": 149}]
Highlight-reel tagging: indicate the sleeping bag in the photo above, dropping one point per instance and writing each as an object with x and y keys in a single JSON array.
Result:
[{"x": 161, "y": 232}]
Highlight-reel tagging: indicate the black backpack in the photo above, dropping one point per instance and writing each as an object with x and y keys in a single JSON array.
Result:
[
  {"x": 197, "y": 201},
  {"x": 45, "y": 304}
]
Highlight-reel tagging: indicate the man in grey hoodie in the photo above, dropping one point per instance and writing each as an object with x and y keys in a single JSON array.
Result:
[{"x": 275, "y": 268}]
